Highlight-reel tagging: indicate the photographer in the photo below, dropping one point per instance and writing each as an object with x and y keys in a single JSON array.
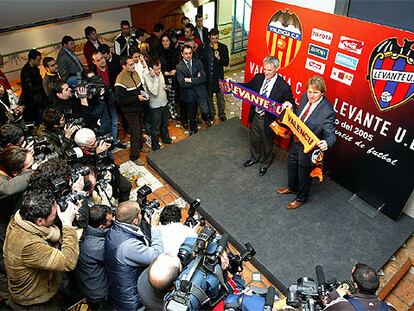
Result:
[
  {"x": 77, "y": 104},
  {"x": 90, "y": 151},
  {"x": 366, "y": 283},
  {"x": 57, "y": 133},
  {"x": 101, "y": 69},
  {"x": 11, "y": 134},
  {"x": 32, "y": 254},
  {"x": 173, "y": 232},
  {"x": 15, "y": 164},
  {"x": 90, "y": 270},
  {"x": 127, "y": 253},
  {"x": 98, "y": 187}
]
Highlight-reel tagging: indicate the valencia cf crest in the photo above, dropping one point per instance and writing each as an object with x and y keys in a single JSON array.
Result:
[
  {"x": 284, "y": 37},
  {"x": 391, "y": 73}
]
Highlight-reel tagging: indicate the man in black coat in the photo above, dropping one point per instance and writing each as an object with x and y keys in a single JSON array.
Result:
[
  {"x": 33, "y": 96},
  {"x": 261, "y": 136},
  {"x": 90, "y": 270},
  {"x": 191, "y": 78},
  {"x": 215, "y": 56},
  {"x": 200, "y": 31}
]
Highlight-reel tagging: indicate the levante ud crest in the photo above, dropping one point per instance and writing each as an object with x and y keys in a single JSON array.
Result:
[
  {"x": 391, "y": 73},
  {"x": 284, "y": 37}
]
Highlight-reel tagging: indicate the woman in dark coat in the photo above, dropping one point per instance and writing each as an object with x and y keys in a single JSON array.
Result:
[{"x": 169, "y": 57}]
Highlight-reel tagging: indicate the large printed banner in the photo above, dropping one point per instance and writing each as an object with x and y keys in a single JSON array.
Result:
[{"x": 369, "y": 70}]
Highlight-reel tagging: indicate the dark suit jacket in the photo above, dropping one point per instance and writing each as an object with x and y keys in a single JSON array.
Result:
[
  {"x": 205, "y": 34},
  {"x": 321, "y": 122},
  {"x": 281, "y": 92},
  {"x": 67, "y": 65},
  {"x": 190, "y": 92},
  {"x": 213, "y": 67}
]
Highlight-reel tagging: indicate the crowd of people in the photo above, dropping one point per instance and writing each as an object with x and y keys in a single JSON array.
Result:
[
  {"x": 68, "y": 229},
  {"x": 146, "y": 80}
]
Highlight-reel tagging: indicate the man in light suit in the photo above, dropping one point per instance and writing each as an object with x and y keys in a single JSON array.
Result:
[
  {"x": 192, "y": 78},
  {"x": 317, "y": 113},
  {"x": 261, "y": 136},
  {"x": 69, "y": 63}
]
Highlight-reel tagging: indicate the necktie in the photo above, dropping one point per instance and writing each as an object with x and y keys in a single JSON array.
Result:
[
  {"x": 260, "y": 111},
  {"x": 306, "y": 113},
  {"x": 304, "y": 116},
  {"x": 189, "y": 66}
]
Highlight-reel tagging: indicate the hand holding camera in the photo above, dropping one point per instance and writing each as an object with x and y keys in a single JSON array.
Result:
[
  {"x": 81, "y": 92},
  {"x": 78, "y": 185},
  {"x": 102, "y": 147},
  {"x": 28, "y": 146},
  {"x": 67, "y": 216},
  {"x": 69, "y": 129}
]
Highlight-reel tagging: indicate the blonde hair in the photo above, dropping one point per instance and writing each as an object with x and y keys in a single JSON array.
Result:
[{"x": 318, "y": 83}]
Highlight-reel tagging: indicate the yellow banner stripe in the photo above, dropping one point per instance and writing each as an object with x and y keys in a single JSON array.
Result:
[
  {"x": 289, "y": 51},
  {"x": 300, "y": 130}
]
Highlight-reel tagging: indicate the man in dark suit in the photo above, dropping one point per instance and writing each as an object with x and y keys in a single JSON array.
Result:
[
  {"x": 200, "y": 32},
  {"x": 69, "y": 63},
  {"x": 191, "y": 78},
  {"x": 317, "y": 113},
  {"x": 261, "y": 136},
  {"x": 215, "y": 56}
]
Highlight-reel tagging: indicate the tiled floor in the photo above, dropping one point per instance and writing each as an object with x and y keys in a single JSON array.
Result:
[{"x": 402, "y": 296}]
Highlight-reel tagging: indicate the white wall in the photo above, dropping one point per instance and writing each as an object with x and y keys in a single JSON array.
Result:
[
  {"x": 44, "y": 35},
  {"x": 327, "y": 6},
  {"x": 48, "y": 37}
]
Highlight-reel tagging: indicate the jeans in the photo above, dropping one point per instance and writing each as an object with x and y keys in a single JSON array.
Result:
[{"x": 159, "y": 118}]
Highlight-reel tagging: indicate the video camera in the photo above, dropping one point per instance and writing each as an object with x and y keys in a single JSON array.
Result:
[
  {"x": 147, "y": 207},
  {"x": 202, "y": 282},
  {"x": 307, "y": 294},
  {"x": 94, "y": 85}
]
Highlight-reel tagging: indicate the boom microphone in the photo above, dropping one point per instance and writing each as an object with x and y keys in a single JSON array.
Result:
[
  {"x": 222, "y": 243},
  {"x": 320, "y": 277},
  {"x": 269, "y": 299}
]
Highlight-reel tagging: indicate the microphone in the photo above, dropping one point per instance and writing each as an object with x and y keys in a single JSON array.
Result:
[
  {"x": 221, "y": 245},
  {"x": 269, "y": 299},
  {"x": 320, "y": 277}
]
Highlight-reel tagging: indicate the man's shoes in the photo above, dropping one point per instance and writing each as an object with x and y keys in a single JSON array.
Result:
[
  {"x": 223, "y": 118},
  {"x": 120, "y": 145},
  {"x": 192, "y": 133},
  {"x": 262, "y": 171},
  {"x": 284, "y": 190},
  {"x": 145, "y": 148},
  {"x": 294, "y": 204},
  {"x": 155, "y": 146},
  {"x": 136, "y": 160},
  {"x": 249, "y": 163},
  {"x": 167, "y": 141}
]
